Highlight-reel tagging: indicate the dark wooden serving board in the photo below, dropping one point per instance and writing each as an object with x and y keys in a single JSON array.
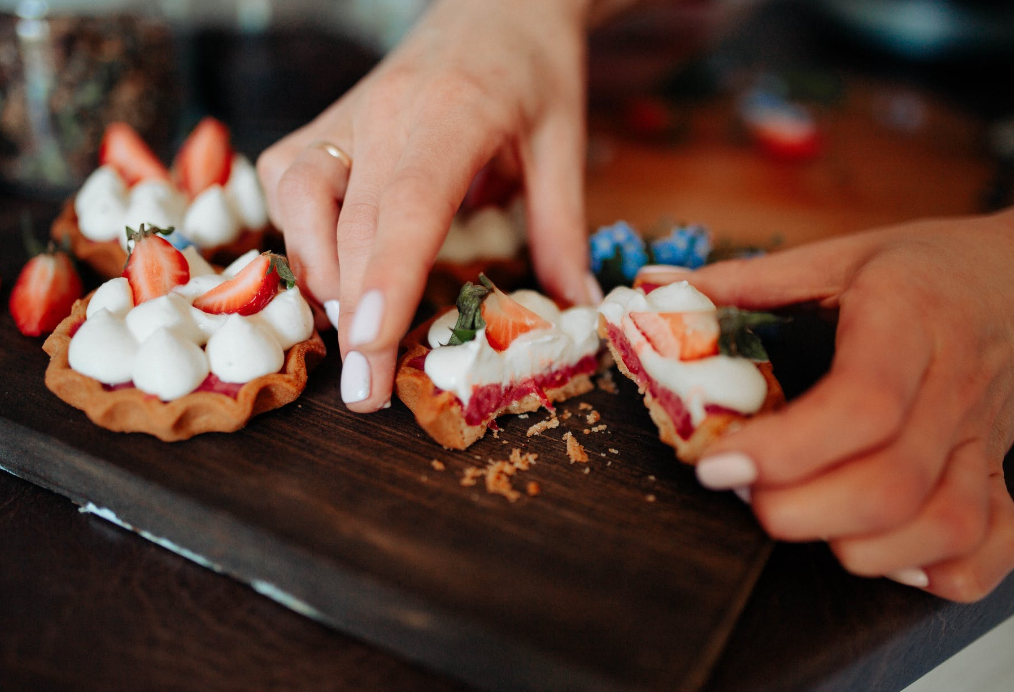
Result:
[{"x": 621, "y": 574}]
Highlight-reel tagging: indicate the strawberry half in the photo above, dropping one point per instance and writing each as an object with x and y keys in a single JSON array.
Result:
[
  {"x": 205, "y": 159},
  {"x": 123, "y": 149},
  {"x": 250, "y": 290},
  {"x": 44, "y": 293},
  {"x": 679, "y": 335},
  {"x": 506, "y": 319},
  {"x": 154, "y": 267}
]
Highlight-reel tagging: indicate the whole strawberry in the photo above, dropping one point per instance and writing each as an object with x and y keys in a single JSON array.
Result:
[{"x": 45, "y": 292}]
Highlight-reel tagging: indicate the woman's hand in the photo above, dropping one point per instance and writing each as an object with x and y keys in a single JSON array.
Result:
[
  {"x": 895, "y": 456},
  {"x": 474, "y": 80}
]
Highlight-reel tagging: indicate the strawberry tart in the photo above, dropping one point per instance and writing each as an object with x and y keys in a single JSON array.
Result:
[
  {"x": 700, "y": 368},
  {"x": 495, "y": 354},
  {"x": 212, "y": 198},
  {"x": 174, "y": 348}
]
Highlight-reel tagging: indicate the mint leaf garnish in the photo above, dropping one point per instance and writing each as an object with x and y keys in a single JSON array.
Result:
[
  {"x": 470, "y": 320},
  {"x": 735, "y": 336}
]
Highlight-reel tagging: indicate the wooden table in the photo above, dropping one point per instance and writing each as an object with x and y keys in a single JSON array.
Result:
[{"x": 86, "y": 605}]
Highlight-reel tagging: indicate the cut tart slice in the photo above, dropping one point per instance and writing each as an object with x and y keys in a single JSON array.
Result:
[
  {"x": 492, "y": 355},
  {"x": 141, "y": 354},
  {"x": 701, "y": 370}
]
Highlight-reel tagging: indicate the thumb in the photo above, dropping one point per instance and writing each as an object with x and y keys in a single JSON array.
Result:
[{"x": 809, "y": 273}]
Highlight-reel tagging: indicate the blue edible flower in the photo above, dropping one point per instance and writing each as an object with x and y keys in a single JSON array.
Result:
[
  {"x": 685, "y": 246},
  {"x": 620, "y": 240}
]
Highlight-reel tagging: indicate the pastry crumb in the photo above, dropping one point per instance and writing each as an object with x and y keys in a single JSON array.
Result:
[
  {"x": 599, "y": 428},
  {"x": 649, "y": 498},
  {"x": 593, "y": 417},
  {"x": 437, "y": 465},
  {"x": 471, "y": 476},
  {"x": 498, "y": 480},
  {"x": 496, "y": 433},
  {"x": 566, "y": 415},
  {"x": 613, "y": 451},
  {"x": 520, "y": 461},
  {"x": 651, "y": 478},
  {"x": 424, "y": 479},
  {"x": 523, "y": 416},
  {"x": 532, "y": 489},
  {"x": 543, "y": 426},
  {"x": 586, "y": 470},
  {"x": 584, "y": 406},
  {"x": 586, "y": 431},
  {"x": 605, "y": 382},
  {"x": 575, "y": 451}
]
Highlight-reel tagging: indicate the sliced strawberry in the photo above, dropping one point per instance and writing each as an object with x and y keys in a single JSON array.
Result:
[
  {"x": 205, "y": 159},
  {"x": 123, "y": 149},
  {"x": 44, "y": 293},
  {"x": 154, "y": 267},
  {"x": 506, "y": 319},
  {"x": 679, "y": 335},
  {"x": 250, "y": 290}
]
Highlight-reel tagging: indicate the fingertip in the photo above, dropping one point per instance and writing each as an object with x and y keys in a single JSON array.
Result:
[{"x": 366, "y": 381}]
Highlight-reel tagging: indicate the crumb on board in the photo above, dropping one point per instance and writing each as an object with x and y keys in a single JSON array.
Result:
[
  {"x": 472, "y": 475},
  {"x": 498, "y": 480},
  {"x": 649, "y": 498},
  {"x": 605, "y": 382},
  {"x": 651, "y": 478},
  {"x": 593, "y": 417},
  {"x": 543, "y": 426},
  {"x": 520, "y": 461},
  {"x": 586, "y": 470},
  {"x": 532, "y": 489},
  {"x": 523, "y": 416},
  {"x": 424, "y": 478},
  {"x": 575, "y": 451},
  {"x": 496, "y": 433},
  {"x": 566, "y": 415},
  {"x": 584, "y": 406},
  {"x": 613, "y": 451},
  {"x": 437, "y": 465},
  {"x": 599, "y": 428},
  {"x": 586, "y": 431}
]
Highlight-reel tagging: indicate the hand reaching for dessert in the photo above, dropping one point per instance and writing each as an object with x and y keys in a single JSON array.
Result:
[
  {"x": 895, "y": 457},
  {"x": 388, "y": 164}
]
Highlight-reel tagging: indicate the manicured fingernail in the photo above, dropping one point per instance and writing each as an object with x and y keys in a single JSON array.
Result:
[
  {"x": 726, "y": 471},
  {"x": 355, "y": 378},
  {"x": 594, "y": 290},
  {"x": 387, "y": 404},
  {"x": 333, "y": 309},
  {"x": 366, "y": 321},
  {"x": 744, "y": 494},
  {"x": 911, "y": 576}
]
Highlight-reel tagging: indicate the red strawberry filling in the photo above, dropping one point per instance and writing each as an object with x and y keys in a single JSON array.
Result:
[
  {"x": 489, "y": 398},
  {"x": 211, "y": 384},
  {"x": 670, "y": 402}
]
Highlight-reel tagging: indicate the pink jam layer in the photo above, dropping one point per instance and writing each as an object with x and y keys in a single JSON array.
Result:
[
  {"x": 670, "y": 402},
  {"x": 211, "y": 384},
  {"x": 490, "y": 398}
]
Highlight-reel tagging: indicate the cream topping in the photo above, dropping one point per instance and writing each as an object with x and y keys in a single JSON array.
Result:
[
  {"x": 460, "y": 369},
  {"x": 733, "y": 383},
  {"x": 105, "y": 206},
  {"x": 157, "y": 344}
]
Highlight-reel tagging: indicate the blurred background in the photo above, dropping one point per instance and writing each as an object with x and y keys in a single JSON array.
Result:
[{"x": 907, "y": 101}]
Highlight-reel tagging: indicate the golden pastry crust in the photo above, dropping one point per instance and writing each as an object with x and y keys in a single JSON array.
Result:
[
  {"x": 440, "y": 413},
  {"x": 108, "y": 258},
  {"x": 131, "y": 410},
  {"x": 714, "y": 425}
]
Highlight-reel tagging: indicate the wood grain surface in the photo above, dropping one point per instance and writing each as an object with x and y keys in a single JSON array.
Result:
[{"x": 621, "y": 574}]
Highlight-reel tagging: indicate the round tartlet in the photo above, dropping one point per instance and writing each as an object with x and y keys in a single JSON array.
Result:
[{"x": 131, "y": 410}]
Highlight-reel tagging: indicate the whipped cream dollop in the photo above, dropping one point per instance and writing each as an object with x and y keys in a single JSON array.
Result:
[
  {"x": 730, "y": 382},
  {"x": 105, "y": 206},
  {"x": 486, "y": 234},
  {"x": 460, "y": 369},
  {"x": 157, "y": 345}
]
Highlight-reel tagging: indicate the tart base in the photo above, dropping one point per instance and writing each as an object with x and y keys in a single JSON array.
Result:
[
  {"x": 715, "y": 425},
  {"x": 131, "y": 410},
  {"x": 108, "y": 258},
  {"x": 439, "y": 412}
]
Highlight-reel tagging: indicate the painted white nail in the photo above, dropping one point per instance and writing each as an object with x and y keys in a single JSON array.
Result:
[
  {"x": 594, "y": 290},
  {"x": 366, "y": 321},
  {"x": 333, "y": 309},
  {"x": 744, "y": 494},
  {"x": 910, "y": 576},
  {"x": 726, "y": 471},
  {"x": 387, "y": 404},
  {"x": 355, "y": 378}
]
